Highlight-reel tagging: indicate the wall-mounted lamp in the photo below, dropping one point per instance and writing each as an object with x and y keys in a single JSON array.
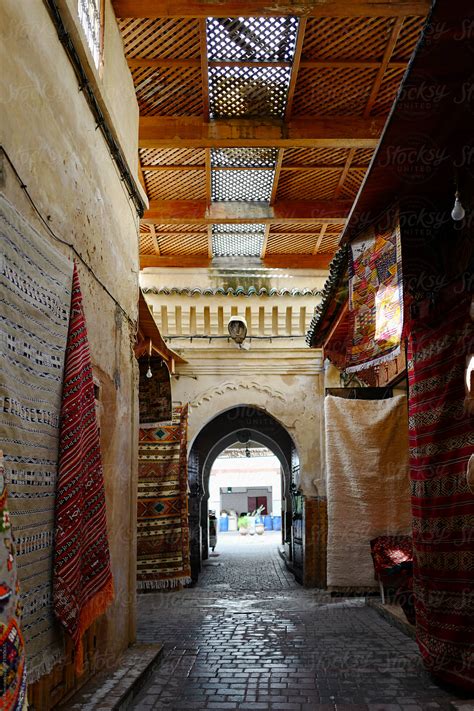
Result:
[{"x": 237, "y": 328}]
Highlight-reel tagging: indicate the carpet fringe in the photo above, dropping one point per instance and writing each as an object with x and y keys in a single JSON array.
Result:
[
  {"x": 162, "y": 584},
  {"x": 377, "y": 361},
  {"x": 48, "y": 661}
]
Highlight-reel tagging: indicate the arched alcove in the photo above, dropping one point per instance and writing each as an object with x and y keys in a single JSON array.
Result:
[{"x": 241, "y": 423}]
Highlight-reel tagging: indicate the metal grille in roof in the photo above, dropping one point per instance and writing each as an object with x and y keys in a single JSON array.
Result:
[
  {"x": 248, "y": 91},
  {"x": 237, "y": 240},
  {"x": 244, "y": 157},
  {"x": 258, "y": 39},
  {"x": 242, "y": 185}
]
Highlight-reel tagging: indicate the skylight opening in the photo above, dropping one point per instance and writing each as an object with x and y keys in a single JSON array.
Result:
[
  {"x": 242, "y": 185},
  {"x": 253, "y": 185},
  {"x": 257, "y": 39},
  {"x": 239, "y": 240},
  {"x": 248, "y": 91}
]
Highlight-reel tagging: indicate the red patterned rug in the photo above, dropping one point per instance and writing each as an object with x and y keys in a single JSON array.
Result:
[
  {"x": 83, "y": 586},
  {"x": 441, "y": 441},
  {"x": 162, "y": 528}
]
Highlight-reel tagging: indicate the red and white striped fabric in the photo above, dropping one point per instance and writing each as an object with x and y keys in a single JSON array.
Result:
[{"x": 83, "y": 586}]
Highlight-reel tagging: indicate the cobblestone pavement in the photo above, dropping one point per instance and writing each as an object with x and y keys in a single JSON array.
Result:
[{"x": 248, "y": 637}]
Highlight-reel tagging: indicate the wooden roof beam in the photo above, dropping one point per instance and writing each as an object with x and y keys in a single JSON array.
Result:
[
  {"x": 276, "y": 175},
  {"x": 204, "y": 73},
  {"x": 265, "y": 239},
  {"x": 320, "y": 238},
  {"x": 295, "y": 67},
  {"x": 167, "y": 63},
  {"x": 312, "y": 132},
  {"x": 390, "y": 46},
  {"x": 275, "y": 261},
  {"x": 197, "y": 212},
  {"x": 269, "y": 8},
  {"x": 293, "y": 168}
]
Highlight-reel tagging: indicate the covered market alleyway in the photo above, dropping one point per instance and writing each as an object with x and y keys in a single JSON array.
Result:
[{"x": 249, "y": 637}]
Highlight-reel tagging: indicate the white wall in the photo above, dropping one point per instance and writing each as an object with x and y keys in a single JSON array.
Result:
[{"x": 256, "y": 473}]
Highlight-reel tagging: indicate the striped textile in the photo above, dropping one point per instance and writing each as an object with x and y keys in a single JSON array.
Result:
[
  {"x": 162, "y": 527},
  {"x": 12, "y": 645},
  {"x": 441, "y": 442},
  {"x": 83, "y": 586},
  {"x": 35, "y": 296}
]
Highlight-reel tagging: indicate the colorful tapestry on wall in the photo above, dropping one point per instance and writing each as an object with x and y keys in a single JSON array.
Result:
[
  {"x": 368, "y": 489},
  {"x": 12, "y": 646},
  {"x": 154, "y": 392},
  {"x": 36, "y": 295},
  {"x": 441, "y": 442},
  {"x": 83, "y": 586},
  {"x": 162, "y": 528},
  {"x": 375, "y": 297}
]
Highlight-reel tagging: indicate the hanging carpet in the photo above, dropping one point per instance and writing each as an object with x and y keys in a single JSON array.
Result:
[
  {"x": 35, "y": 301},
  {"x": 375, "y": 296},
  {"x": 368, "y": 489},
  {"x": 162, "y": 527},
  {"x": 83, "y": 586},
  {"x": 441, "y": 442},
  {"x": 155, "y": 392},
  {"x": 12, "y": 645}
]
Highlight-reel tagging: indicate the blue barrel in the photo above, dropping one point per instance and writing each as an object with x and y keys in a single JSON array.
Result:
[
  {"x": 224, "y": 523},
  {"x": 267, "y": 521},
  {"x": 258, "y": 519},
  {"x": 277, "y": 523}
]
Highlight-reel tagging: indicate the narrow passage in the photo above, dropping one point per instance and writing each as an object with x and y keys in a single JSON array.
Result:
[{"x": 248, "y": 637}]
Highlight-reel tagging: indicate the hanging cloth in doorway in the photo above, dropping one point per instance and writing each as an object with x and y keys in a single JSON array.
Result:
[
  {"x": 441, "y": 442},
  {"x": 375, "y": 297},
  {"x": 368, "y": 488},
  {"x": 162, "y": 527},
  {"x": 83, "y": 586},
  {"x": 12, "y": 646},
  {"x": 35, "y": 283}
]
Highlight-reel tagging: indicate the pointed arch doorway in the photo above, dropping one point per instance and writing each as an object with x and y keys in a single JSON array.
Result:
[{"x": 243, "y": 423}]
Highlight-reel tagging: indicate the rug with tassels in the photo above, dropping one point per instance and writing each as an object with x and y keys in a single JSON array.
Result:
[
  {"x": 375, "y": 296},
  {"x": 162, "y": 526},
  {"x": 83, "y": 586},
  {"x": 441, "y": 442}
]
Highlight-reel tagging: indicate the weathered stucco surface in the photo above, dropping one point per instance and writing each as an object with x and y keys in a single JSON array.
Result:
[
  {"x": 275, "y": 371},
  {"x": 50, "y": 135},
  {"x": 285, "y": 383}
]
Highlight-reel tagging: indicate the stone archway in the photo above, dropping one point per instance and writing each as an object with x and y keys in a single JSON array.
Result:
[{"x": 221, "y": 432}]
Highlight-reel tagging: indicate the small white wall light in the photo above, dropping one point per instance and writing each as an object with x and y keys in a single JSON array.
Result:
[{"x": 237, "y": 328}]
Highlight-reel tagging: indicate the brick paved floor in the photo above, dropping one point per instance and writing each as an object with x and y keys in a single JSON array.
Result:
[{"x": 248, "y": 637}]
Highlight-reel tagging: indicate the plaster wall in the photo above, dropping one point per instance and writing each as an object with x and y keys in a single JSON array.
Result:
[
  {"x": 50, "y": 135},
  {"x": 247, "y": 477},
  {"x": 238, "y": 501}
]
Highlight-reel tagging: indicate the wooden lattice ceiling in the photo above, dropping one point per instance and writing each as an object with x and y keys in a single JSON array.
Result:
[{"x": 251, "y": 115}]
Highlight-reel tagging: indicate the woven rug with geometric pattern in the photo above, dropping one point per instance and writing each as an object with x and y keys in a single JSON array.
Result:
[
  {"x": 35, "y": 286},
  {"x": 162, "y": 509},
  {"x": 441, "y": 441},
  {"x": 375, "y": 296}
]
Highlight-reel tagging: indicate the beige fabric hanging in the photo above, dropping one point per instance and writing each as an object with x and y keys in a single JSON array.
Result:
[{"x": 367, "y": 482}]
